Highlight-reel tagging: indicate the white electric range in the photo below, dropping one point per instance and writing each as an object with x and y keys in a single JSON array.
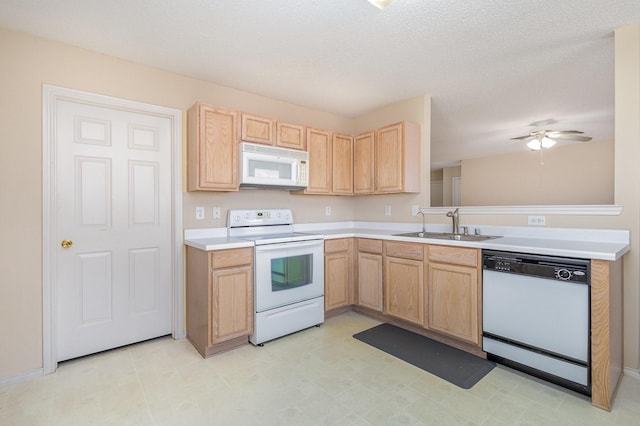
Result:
[{"x": 288, "y": 272}]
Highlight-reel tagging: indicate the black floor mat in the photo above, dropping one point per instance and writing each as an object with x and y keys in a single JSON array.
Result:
[{"x": 453, "y": 365}]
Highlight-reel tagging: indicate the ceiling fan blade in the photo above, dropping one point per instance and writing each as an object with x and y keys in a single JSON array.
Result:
[
  {"x": 554, "y": 132},
  {"x": 522, "y": 137},
  {"x": 570, "y": 137}
]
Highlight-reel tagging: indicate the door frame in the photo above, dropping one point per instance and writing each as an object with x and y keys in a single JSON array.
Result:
[{"x": 50, "y": 95}]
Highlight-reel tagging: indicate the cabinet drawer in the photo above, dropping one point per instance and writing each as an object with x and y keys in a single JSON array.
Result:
[
  {"x": 341, "y": 244},
  {"x": 232, "y": 257},
  {"x": 370, "y": 246},
  {"x": 454, "y": 255},
  {"x": 404, "y": 250}
]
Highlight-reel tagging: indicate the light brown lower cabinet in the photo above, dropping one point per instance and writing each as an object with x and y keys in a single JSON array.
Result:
[
  {"x": 454, "y": 291},
  {"x": 219, "y": 298},
  {"x": 338, "y": 273},
  {"x": 404, "y": 281},
  {"x": 369, "y": 272}
]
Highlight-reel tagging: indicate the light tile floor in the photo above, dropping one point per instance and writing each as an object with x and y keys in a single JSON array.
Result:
[{"x": 319, "y": 376}]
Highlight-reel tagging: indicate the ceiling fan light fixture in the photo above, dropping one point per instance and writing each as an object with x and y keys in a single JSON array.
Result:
[
  {"x": 547, "y": 143},
  {"x": 380, "y": 4},
  {"x": 538, "y": 143},
  {"x": 534, "y": 145}
]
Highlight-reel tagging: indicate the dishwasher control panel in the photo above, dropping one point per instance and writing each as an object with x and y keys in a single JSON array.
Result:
[{"x": 551, "y": 267}]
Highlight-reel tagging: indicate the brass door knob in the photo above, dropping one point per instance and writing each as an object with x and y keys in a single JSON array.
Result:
[{"x": 66, "y": 243}]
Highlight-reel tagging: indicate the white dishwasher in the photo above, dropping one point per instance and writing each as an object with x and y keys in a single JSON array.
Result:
[{"x": 536, "y": 316}]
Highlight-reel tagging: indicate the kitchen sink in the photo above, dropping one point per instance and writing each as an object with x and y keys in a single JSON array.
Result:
[{"x": 447, "y": 236}]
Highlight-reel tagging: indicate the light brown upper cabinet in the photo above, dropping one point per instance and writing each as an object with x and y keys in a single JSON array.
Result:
[
  {"x": 258, "y": 129},
  {"x": 342, "y": 164},
  {"x": 364, "y": 163},
  {"x": 319, "y": 148},
  {"x": 397, "y": 158},
  {"x": 212, "y": 148},
  {"x": 291, "y": 136}
]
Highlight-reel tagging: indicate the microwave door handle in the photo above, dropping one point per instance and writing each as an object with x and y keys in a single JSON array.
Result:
[{"x": 297, "y": 244}]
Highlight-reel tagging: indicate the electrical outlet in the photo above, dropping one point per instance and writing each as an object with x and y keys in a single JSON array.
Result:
[
  {"x": 536, "y": 220},
  {"x": 216, "y": 212},
  {"x": 387, "y": 210},
  {"x": 415, "y": 209},
  {"x": 327, "y": 211},
  {"x": 199, "y": 213}
]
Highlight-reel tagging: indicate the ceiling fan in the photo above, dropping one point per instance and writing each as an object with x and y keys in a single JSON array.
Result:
[{"x": 545, "y": 138}]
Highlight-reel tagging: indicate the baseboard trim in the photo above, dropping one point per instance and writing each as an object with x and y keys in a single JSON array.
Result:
[
  {"x": 632, "y": 372},
  {"x": 22, "y": 377}
]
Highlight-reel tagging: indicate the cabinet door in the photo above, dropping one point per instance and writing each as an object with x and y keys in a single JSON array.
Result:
[
  {"x": 258, "y": 129},
  {"x": 291, "y": 136},
  {"x": 389, "y": 156},
  {"x": 404, "y": 289},
  {"x": 212, "y": 149},
  {"x": 338, "y": 271},
  {"x": 453, "y": 295},
  {"x": 231, "y": 299},
  {"x": 342, "y": 164},
  {"x": 370, "y": 281},
  {"x": 398, "y": 158},
  {"x": 363, "y": 163},
  {"x": 319, "y": 148}
]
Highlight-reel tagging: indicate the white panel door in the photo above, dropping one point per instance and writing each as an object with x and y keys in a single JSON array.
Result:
[{"x": 113, "y": 205}]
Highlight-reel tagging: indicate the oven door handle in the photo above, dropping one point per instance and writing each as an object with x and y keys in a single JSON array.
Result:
[{"x": 294, "y": 244}]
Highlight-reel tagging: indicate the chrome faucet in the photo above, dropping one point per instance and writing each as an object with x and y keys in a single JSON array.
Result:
[
  {"x": 424, "y": 222},
  {"x": 456, "y": 224}
]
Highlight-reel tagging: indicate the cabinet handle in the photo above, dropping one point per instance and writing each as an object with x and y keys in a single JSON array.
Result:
[{"x": 66, "y": 243}]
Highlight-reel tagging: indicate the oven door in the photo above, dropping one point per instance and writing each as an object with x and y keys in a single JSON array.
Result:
[{"x": 287, "y": 273}]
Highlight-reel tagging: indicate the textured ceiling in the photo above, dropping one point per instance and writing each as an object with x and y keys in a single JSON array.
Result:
[{"x": 492, "y": 67}]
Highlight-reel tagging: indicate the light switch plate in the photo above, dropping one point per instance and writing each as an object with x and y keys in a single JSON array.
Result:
[
  {"x": 216, "y": 212},
  {"x": 199, "y": 213}
]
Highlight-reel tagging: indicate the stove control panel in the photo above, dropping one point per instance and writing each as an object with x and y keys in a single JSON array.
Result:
[{"x": 239, "y": 218}]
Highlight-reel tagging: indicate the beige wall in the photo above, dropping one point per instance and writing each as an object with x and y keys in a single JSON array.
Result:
[
  {"x": 28, "y": 62},
  {"x": 448, "y": 173},
  {"x": 627, "y": 177},
  {"x": 570, "y": 174},
  {"x": 437, "y": 191}
]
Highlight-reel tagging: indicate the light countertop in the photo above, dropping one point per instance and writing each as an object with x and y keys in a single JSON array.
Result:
[
  {"x": 579, "y": 243},
  {"x": 550, "y": 247},
  {"x": 217, "y": 243}
]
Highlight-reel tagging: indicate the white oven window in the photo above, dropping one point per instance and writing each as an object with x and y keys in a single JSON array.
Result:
[
  {"x": 287, "y": 273},
  {"x": 291, "y": 272}
]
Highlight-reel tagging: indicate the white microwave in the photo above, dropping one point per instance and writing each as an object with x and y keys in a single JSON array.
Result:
[{"x": 269, "y": 167}]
